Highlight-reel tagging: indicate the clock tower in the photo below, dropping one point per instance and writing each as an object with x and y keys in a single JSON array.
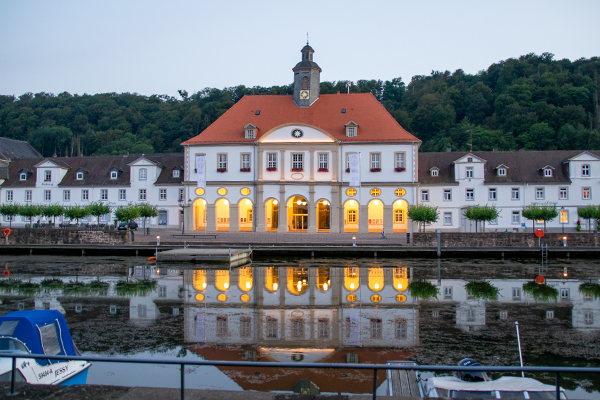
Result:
[{"x": 307, "y": 77}]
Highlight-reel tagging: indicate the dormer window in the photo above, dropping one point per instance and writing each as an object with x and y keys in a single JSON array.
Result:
[
  {"x": 547, "y": 172},
  {"x": 351, "y": 129},
  {"x": 250, "y": 131},
  {"x": 501, "y": 171},
  {"x": 585, "y": 170},
  {"x": 143, "y": 174},
  {"x": 175, "y": 173},
  {"x": 434, "y": 172},
  {"x": 47, "y": 176},
  {"x": 114, "y": 174},
  {"x": 23, "y": 176},
  {"x": 79, "y": 176}
]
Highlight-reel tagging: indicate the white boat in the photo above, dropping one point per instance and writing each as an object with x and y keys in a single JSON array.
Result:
[
  {"x": 477, "y": 385},
  {"x": 39, "y": 332}
]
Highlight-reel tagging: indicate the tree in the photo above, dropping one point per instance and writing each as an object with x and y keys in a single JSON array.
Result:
[
  {"x": 10, "y": 210},
  {"x": 31, "y": 211},
  {"x": 423, "y": 214},
  {"x": 127, "y": 213},
  {"x": 53, "y": 210},
  {"x": 481, "y": 214},
  {"x": 98, "y": 209},
  {"x": 588, "y": 212},
  {"x": 540, "y": 212},
  {"x": 51, "y": 140},
  {"x": 147, "y": 211},
  {"x": 77, "y": 212}
]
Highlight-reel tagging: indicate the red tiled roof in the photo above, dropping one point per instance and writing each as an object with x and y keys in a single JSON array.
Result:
[{"x": 375, "y": 123}]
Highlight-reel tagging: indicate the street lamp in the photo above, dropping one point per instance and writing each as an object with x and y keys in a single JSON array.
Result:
[
  {"x": 183, "y": 207},
  {"x": 562, "y": 218}
]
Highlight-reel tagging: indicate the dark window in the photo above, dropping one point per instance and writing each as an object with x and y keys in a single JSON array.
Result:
[
  {"x": 305, "y": 82},
  {"x": 257, "y": 112}
]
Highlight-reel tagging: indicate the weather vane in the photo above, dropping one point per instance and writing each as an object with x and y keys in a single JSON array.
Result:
[{"x": 306, "y": 37}]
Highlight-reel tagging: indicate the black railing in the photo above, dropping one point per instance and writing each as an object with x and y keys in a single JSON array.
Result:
[{"x": 375, "y": 367}]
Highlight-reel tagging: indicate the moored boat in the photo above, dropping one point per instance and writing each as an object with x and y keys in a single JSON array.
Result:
[{"x": 39, "y": 332}]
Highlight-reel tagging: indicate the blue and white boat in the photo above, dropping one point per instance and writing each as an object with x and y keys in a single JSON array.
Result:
[{"x": 39, "y": 332}]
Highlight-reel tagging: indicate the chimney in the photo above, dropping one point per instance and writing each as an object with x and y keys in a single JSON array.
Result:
[{"x": 448, "y": 149}]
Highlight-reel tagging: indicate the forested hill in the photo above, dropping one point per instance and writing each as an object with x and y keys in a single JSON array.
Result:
[{"x": 534, "y": 102}]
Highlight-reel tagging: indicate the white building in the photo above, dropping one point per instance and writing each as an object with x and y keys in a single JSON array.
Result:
[{"x": 280, "y": 163}]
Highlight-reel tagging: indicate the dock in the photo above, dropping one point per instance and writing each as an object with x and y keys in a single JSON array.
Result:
[
  {"x": 403, "y": 383},
  {"x": 206, "y": 255}
]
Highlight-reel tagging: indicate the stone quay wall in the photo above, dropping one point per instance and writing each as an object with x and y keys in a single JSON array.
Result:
[
  {"x": 65, "y": 236},
  {"x": 502, "y": 239}
]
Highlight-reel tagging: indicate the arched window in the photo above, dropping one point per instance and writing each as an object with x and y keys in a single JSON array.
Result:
[{"x": 305, "y": 82}]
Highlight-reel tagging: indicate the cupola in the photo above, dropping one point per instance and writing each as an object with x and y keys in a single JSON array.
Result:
[{"x": 307, "y": 79}]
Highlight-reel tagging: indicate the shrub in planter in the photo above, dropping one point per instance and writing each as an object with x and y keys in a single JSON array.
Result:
[
  {"x": 323, "y": 170},
  {"x": 221, "y": 169},
  {"x": 271, "y": 169},
  {"x": 375, "y": 169},
  {"x": 400, "y": 169}
]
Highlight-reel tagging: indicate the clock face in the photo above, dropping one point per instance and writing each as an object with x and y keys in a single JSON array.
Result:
[
  {"x": 304, "y": 94},
  {"x": 297, "y": 133}
]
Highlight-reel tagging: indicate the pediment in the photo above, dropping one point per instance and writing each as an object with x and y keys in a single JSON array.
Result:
[
  {"x": 48, "y": 164},
  {"x": 584, "y": 156},
  {"x": 144, "y": 162},
  {"x": 284, "y": 134},
  {"x": 465, "y": 159}
]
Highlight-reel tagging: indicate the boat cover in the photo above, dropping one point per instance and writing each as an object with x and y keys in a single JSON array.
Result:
[
  {"x": 42, "y": 331},
  {"x": 505, "y": 383}
]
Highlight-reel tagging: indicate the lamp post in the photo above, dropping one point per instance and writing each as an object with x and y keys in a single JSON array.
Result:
[
  {"x": 183, "y": 207},
  {"x": 562, "y": 218}
]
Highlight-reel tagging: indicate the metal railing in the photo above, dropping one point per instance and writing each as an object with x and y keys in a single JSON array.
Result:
[{"x": 374, "y": 367}]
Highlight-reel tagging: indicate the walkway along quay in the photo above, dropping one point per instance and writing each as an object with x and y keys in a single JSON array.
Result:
[{"x": 273, "y": 244}]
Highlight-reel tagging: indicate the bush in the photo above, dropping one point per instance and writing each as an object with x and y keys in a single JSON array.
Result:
[
  {"x": 423, "y": 214},
  {"x": 540, "y": 291},
  {"x": 482, "y": 290},
  {"x": 423, "y": 290}
]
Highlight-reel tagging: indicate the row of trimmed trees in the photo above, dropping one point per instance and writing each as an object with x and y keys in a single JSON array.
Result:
[
  {"x": 76, "y": 212},
  {"x": 424, "y": 214}
]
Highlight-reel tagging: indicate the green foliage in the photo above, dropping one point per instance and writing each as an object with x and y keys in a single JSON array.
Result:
[
  {"x": 127, "y": 213},
  {"x": 137, "y": 288},
  {"x": 483, "y": 214},
  {"x": 19, "y": 287},
  {"x": 146, "y": 210},
  {"x": 588, "y": 212},
  {"x": 591, "y": 289},
  {"x": 532, "y": 102},
  {"x": 482, "y": 290},
  {"x": 53, "y": 211},
  {"x": 423, "y": 214},
  {"x": 31, "y": 211},
  {"x": 52, "y": 284},
  {"x": 540, "y": 291},
  {"x": 542, "y": 212},
  {"x": 77, "y": 212},
  {"x": 10, "y": 210},
  {"x": 424, "y": 290},
  {"x": 98, "y": 209}
]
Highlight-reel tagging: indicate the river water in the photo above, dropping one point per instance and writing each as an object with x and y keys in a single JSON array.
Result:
[{"x": 310, "y": 310}]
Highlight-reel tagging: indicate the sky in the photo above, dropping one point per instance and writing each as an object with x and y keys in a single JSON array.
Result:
[{"x": 158, "y": 47}]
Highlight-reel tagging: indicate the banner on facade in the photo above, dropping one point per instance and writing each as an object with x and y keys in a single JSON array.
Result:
[
  {"x": 354, "y": 165},
  {"x": 201, "y": 171}
]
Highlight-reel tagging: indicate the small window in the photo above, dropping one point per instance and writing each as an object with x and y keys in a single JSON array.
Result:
[
  {"x": 47, "y": 176},
  {"x": 180, "y": 197},
  {"x": 323, "y": 328},
  {"x": 516, "y": 293},
  {"x": 447, "y": 218},
  {"x": 85, "y": 194},
  {"x": 343, "y": 111},
  {"x": 323, "y": 162},
  {"x": 375, "y": 192},
  {"x": 176, "y": 173},
  {"x": 143, "y": 174},
  {"x": 245, "y": 162},
  {"x": 376, "y": 328},
  {"x": 297, "y": 162},
  {"x": 47, "y": 195},
  {"x": 221, "y": 191},
  {"x": 272, "y": 328},
  {"x": 539, "y": 193},
  {"x": 9, "y": 195},
  {"x": 298, "y": 328},
  {"x": 122, "y": 194},
  {"x": 162, "y": 194},
  {"x": 550, "y": 314},
  {"x": 501, "y": 171},
  {"x": 563, "y": 193},
  {"x": 222, "y": 326},
  {"x": 547, "y": 172},
  {"x": 104, "y": 194},
  {"x": 114, "y": 174},
  {"x": 424, "y": 195},
  {"x": 492, "y": 194},
  {"x": 375, "y": 162},
  {"x": 434, "y": 172},
  {"x": 351, "y": 192},
  {"x": 28, "y": 195},
  {"x": 245, "y": 326},
  {"x": 79, "y": 176},
  {"x": 448, "y": 292},
  {"x": 250, "y": 134},
  {"x": 257, "y": 112},
  {"x": 401, "y": 328},
  {"x": 398, "y": 216},
  {"x": 564, "y": 293},
  {"x": 515, "y": 194},
  {"x": 23, "y": 176},
  {"x": 564, "y": 216},
  {"x": 400, "y": 162},
  {"x": 400, "y": 192},
  {"x": 516, "y": 217},
  {"x": 447, "y": 194},
  {"x": 469, "y": 172},
  {"x": 142, "y": 195},
  {"x": 585, "y": 170},
  {"x": 351, "y": 132},
  {"x": 222, "y": 163},
  {"x": 503, "y": 315},
  {"x": 470, "y": 195},
  {"x": 351, "y": 217},
  {"x": 588, "y": 317},
  {"x": 245, "y": 191},
  {"x": 587, "y": 193},
  {"x": 66, "y": 195},
  {"x": 271, "y": 162}
]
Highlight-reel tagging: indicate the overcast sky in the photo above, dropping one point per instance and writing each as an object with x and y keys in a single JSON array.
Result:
[{"x": 158, "y": 47}]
